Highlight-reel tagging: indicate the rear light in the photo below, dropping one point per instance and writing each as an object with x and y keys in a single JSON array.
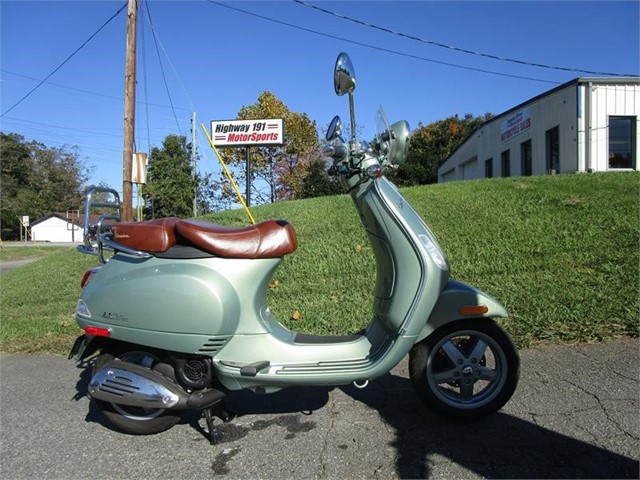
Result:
[
  {"x": 87, "y": 276},
  {"x": 97, "y": 331}
]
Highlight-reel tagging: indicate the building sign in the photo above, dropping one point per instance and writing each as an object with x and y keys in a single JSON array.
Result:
[
  {"x": 240, "y": 133},
  {"x": 515, "y": 125}
]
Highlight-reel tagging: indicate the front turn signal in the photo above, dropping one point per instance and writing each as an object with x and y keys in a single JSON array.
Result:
[{"x": 473, "y": 309}]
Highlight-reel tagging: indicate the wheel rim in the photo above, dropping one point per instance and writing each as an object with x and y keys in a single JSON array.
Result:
[
  {"x": 138, "y": 413},
  {"x": 466, "y": 369}
]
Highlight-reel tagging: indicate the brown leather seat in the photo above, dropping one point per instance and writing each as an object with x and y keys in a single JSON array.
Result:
[
  {"x": 151, "y": 236},
  {"x": 269, "y": 239}
]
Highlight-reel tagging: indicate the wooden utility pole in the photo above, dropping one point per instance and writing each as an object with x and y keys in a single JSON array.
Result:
[
  {"x": 129, "y": 113},
  {"x": 194, "y": 159}
]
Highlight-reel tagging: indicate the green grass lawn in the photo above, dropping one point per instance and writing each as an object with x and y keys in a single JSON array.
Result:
[{"x": 560, "y": 252}]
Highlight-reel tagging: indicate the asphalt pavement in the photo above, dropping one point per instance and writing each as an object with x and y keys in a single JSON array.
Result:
[
  {"x": 11, "y": 264},
  {"x": 575, "y": 414}
]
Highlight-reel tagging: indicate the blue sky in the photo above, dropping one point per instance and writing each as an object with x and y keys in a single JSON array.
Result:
[{"x": 217, "y": 59}]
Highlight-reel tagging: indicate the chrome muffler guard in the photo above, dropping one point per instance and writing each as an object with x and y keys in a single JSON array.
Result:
[{"x": 126, "y": 383}]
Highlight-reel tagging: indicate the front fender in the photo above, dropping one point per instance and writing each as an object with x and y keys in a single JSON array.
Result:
[{"x": 448, "y": 307}]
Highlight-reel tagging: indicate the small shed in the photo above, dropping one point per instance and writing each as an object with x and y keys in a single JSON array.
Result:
[{"x": 58, "y": 227}]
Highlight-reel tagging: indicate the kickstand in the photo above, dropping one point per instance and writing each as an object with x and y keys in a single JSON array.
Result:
[{"x": 215, "y": 435}]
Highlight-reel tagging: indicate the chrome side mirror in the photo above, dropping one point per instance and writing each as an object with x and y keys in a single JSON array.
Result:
[
  {"x": 344, "y": 78},
  {"x": 344, "y": 81},
  {"x": 335, "y": 129}
]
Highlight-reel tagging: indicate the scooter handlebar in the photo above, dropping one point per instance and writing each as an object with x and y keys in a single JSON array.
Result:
[{"x": 337, "y": 152}]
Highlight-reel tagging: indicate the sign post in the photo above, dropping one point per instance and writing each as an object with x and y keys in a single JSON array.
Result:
[{"x": 24, "y": 227}]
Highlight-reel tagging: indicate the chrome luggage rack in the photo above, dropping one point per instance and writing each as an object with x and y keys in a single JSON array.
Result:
[{"x": 97, "y": 236}]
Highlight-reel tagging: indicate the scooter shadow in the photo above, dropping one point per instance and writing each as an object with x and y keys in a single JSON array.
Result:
[{"x": 498, "y": 446}]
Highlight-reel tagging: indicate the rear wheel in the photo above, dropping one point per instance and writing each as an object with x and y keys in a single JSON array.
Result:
[
  {"x": 135, "y": 420},
  {"x": 468, "y": 368}
]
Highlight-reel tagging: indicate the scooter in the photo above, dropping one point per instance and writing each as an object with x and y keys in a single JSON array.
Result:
[{"x": 176, "y": 315}]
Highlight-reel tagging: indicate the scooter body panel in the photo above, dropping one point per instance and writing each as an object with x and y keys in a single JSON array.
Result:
[
  {"x": 417, "y": 281},
  {"x": 181, "y": 305}
]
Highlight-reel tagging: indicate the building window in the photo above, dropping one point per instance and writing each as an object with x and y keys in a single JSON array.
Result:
[
  {"x": 526, "y": 158},
  {"x": 488, "y": 168},
  {"x": 553, "y": 150},
  {"x": 505, "y": 162},
  {"x": 621, "y": 144}
]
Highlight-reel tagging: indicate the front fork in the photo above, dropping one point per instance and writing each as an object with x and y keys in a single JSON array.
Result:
[{"x": 458, "y": 301}]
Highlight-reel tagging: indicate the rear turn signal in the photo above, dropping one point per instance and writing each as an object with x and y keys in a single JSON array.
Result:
[
  {"x": 473, "y": 309},
  {"x": 97, "y": 331}
]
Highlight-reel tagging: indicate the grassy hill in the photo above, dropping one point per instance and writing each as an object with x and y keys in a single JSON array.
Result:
[{"x": 560, "y": 252}]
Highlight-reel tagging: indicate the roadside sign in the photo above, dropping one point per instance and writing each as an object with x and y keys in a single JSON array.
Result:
[{"x": 246, "y": 133}]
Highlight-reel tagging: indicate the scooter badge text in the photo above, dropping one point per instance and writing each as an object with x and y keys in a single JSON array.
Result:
[{"x": 115, "y": 316}]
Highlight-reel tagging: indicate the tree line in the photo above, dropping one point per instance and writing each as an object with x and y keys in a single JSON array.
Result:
[{"x": 38, "y": 180}]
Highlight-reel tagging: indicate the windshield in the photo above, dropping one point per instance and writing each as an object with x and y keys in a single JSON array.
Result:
[
  {"x": 384, "y": 134},
  {"x": 380, "y": 122}
]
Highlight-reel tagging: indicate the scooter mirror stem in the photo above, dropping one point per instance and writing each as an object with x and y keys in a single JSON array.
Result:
[{"x": 352, "y": 115}]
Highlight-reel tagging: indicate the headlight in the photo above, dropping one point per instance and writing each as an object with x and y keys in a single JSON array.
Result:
[{"x": 400, "y": 142}]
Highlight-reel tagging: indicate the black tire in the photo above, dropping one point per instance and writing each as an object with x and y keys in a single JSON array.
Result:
[
  {"x": 465, "y": 369},
  {"x": 135, "y": 420}
]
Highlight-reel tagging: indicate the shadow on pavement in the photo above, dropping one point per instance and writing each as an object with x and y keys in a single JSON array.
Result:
[{"x": 499, "y": 446}]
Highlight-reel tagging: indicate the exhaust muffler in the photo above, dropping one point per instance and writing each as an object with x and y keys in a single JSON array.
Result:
[{"x": 130, "y": 384}]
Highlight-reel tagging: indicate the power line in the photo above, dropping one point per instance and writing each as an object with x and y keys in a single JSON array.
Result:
[
  {"x": 73, "y": 129},
  {"x": 88, "y": 92},
  {"x": 164, "y": 78},
  {"x": 65, "y": 60},
  {"x": 458, "y": 49},
  {"x": 381, "y": 49},
  {"x": 146, "y": 85},
  {"x": 158, "y": 43}
]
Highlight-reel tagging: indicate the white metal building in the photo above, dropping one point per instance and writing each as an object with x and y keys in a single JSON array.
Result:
[{"x": 587, "y": 124}]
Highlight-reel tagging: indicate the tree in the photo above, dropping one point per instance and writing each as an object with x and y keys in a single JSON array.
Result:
[
  {"x": 37, "y": 180},
  {"x": 317, "y": 183},
  {"x": 282, "y": 168},
  {"x": 213, "y": 195},
  {"x": 170, "y": 185},
  {"x": 433, "y": 144}
]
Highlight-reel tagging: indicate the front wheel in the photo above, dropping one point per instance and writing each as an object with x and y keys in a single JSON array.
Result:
[{"x": 466, "y": 369}]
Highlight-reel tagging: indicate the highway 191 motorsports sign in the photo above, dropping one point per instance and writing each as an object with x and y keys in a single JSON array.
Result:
[{"x": 246, "y": 133}]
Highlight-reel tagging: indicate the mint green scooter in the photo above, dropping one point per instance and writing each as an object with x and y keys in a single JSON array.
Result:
[{"x": 177, "y": 317}]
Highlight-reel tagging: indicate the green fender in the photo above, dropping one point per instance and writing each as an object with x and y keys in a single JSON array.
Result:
[{"x": 454, "y": 296}]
